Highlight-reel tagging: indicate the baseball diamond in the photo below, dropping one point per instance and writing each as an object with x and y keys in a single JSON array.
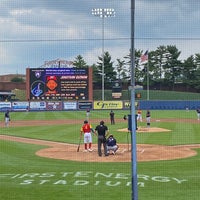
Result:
[
  {"x": 145, "y": 152},
  {"x": 39, "y": 157}
]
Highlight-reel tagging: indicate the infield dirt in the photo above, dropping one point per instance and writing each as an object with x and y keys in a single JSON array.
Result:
[{"x": 64, "y": 151}]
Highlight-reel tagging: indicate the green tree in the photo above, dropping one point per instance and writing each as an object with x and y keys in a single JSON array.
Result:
[
  {"x": 191, "y": 72},
  {"x": 188, "y": 72},
  {"x": 79, "y": 62},
  {"x": 121, "y": 73},
  {"x": 97, "y": 78},
  {"x": 172, "y": 68},
  {"x": 157, "y": 61},
  {"x": 139, "y": 76},
  {"x": 109, "y": 72},
  {"x": 17, "y": 80},
  {"x": 197, "y": 73}
]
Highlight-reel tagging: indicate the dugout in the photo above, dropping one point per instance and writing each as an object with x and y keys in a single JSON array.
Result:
[{"x": 6, "y": 96}]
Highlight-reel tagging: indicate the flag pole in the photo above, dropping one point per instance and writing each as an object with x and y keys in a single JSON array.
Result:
[{"x": 147, "y": 79}]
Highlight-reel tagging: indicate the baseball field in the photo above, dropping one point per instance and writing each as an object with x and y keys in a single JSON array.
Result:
[{"x": 39, "y": 158}]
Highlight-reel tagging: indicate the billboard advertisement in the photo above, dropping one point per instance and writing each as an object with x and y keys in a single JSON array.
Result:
[
  {"x": 85, "y": 105},
  {"x": 37, "y": 105},
  {"x": 57, "y": 105},
  {"x": 20, "y": 106},
  {"x": 100, "y": 105},
  {"x": 58, "y": 84},
  {"x": 5, "y": 106},
  {"x": 70, "y": 105}
]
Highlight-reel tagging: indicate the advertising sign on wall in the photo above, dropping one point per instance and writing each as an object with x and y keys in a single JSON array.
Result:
[
  {"x": 37, "y": 105},
  {"x": 57, "y": 105},
  {"x": 108, "y": 105},
  {"x": 85, "y": 105},
  {"x": 5, "y": 106},
  {"x": 20, "y": 106},
  {"x": 127, "y": 105},
  {"x": 70, "y": 105},
  {"x": 116, "y": 89}
]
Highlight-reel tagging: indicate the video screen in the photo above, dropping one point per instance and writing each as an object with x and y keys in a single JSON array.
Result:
[{"x": 58, "y": 83}]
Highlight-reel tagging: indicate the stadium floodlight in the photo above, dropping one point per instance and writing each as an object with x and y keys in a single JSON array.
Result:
[{"x": 103, "y": 13}]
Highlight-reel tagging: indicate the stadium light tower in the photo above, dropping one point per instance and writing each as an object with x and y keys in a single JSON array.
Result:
[{"x": 103, "y": 13}]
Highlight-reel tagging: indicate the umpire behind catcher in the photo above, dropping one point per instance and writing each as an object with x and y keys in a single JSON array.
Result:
[{"x": 102, "y": 132}]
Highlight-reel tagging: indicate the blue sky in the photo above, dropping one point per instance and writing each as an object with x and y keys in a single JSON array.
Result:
[{"x": 33, "y": 32}]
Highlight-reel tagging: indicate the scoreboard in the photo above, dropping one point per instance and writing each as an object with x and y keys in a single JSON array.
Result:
[{"x": 59, "y": 83}]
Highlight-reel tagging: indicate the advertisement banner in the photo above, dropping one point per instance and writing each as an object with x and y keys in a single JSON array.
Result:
[
  {"x": 37, "y": 105},
  {"x": 108, "y": 105},
  {"x": 127, "y": 105},
  {"x": 85, "y": 105},
  {"x": 4, "y": 106},
  {"x": 20, "y": 106},
  {"x": 70, "y": 105},
  {"x": 54, "y": 105}
]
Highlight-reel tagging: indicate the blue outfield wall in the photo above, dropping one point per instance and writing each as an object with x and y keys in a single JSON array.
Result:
[
  {"x": 98, "y": 105},
  {"x": 168, "y": 105}
]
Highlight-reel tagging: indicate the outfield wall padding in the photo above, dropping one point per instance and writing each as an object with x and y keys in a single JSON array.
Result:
[{"x": 169, "y": 105}]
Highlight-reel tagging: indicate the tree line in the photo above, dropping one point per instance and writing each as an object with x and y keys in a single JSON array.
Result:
[{"x": 163, "y": 70}]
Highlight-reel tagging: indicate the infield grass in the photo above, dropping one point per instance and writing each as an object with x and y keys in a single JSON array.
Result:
[{"x": 23, "y": 175}]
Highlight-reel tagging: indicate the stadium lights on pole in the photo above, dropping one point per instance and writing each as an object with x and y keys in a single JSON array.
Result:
[
  {"x": 133, "y": 123},
  {"x": 103, "y": 13}
]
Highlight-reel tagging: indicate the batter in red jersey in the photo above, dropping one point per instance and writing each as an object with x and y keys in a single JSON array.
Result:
[{"x": 86, "y": 129}]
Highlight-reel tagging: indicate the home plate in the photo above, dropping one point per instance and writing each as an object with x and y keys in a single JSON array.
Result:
[{"x": 122, "y": 151}]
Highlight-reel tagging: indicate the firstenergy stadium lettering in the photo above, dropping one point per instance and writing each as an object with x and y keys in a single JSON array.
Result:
[{"x": 82, "y": 178}]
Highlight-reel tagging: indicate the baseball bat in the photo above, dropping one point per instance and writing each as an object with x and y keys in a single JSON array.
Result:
[{"x": 79, "y": 144}]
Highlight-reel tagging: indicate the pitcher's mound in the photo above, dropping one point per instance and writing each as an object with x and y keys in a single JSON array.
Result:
[{"x": 147, "y": 130}]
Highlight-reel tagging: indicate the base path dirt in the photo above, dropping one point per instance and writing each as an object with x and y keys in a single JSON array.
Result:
[{"x": 145, "y": 152}]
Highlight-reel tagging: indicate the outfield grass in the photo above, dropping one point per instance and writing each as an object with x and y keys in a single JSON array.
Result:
[{"x": 23, "y": 175}]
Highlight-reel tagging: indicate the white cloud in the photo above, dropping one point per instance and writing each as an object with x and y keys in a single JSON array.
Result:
[
  {"x": 3, "y": 56},
  {"x": 74, "y": 31},
  {"x": 20, "y": 12}
]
